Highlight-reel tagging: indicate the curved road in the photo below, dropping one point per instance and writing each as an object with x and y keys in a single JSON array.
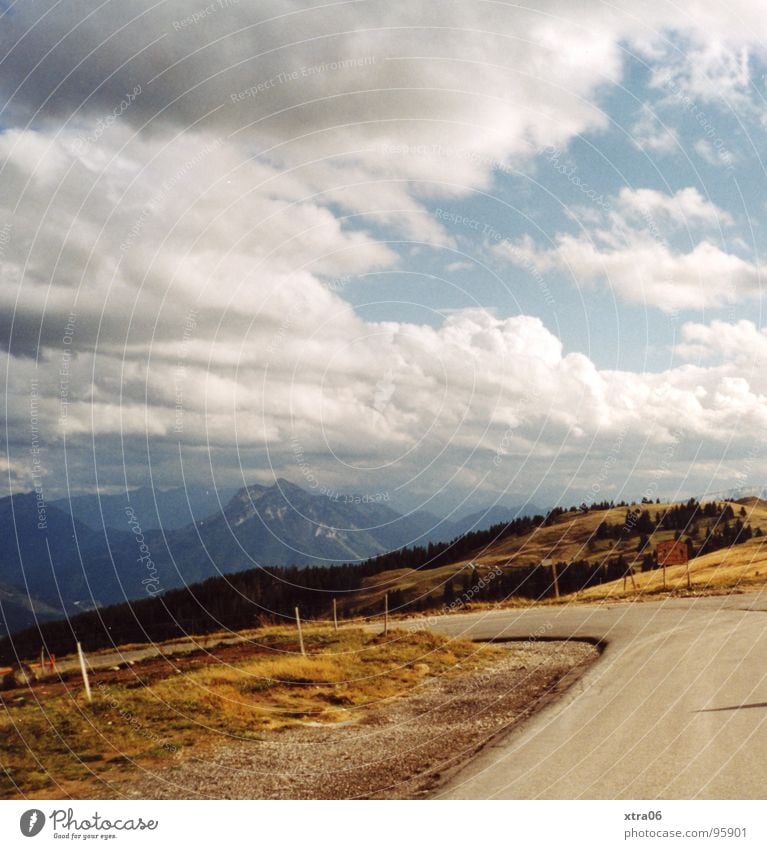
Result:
[{"x": 676, "y": 707}]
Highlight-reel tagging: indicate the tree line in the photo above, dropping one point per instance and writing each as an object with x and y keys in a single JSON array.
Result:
[{"x": 262, "y": 596}]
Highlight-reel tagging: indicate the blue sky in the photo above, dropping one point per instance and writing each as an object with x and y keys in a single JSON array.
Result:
[
  {"x": 458, "y": 252},
  {"x": 543, "y": 197}
]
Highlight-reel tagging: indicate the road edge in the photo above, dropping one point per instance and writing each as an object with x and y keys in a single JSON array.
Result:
[{"x": 554, "y": 694}]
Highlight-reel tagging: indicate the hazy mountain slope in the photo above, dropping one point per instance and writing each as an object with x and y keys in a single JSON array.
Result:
[
  {"x": 168, "y": 509},
  {"x": 69, "y": 565},
  {"x": 18, "y": 610}
]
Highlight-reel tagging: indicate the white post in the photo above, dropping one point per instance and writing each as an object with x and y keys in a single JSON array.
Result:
[
  {"x": 300, "y": 635},
  {"x": 84, "y": 670},
  {"x": 335, "y": 615}
]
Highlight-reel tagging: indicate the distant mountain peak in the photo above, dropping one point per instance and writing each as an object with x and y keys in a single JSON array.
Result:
[
  {"x": 281, "y": 488},
  {"x": 285, "y": 485},
  {"x": 266, "y": 501}
]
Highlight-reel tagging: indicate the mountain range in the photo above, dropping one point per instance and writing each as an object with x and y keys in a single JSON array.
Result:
[
  {"x": 96, "y": 550},
  {"x": 154, "y": 508}
]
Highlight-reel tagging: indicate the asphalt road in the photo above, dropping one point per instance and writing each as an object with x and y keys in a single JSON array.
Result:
[{"x": 676, "y": 707}]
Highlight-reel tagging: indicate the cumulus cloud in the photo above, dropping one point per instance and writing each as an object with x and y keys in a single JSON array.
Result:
[
  {"x": 186, "y": 194},
  {"x": 135, "y": 236},
  {"x": 651, "y": 135},
  {"x": 714, "y": 70},
  {"x": 320, "y": 81},
  {"x": 630, "y": 250},
  {"x": 741, "y": 343},
  {"x": 479, "y": 396},
  {"x": 686, "y": 208}
]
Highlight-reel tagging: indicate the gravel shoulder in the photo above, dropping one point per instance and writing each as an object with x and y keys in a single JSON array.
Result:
[{"x": 405, "y": 749}]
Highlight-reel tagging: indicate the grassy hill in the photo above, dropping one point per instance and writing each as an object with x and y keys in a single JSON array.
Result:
[
  {"x": 594, "y": 551},
  {"x": 739, "y": 567},
  {"x": 574, "y": 536}
]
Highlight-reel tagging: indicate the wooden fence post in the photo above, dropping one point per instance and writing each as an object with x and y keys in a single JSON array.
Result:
[
  {"x": 547, "y": 561},
  {"x": 335, "y": 615},
  {"x": 386, "y": 613},
  {"x": 300, "y": 634},
  {"x": 84, "y": 670}
]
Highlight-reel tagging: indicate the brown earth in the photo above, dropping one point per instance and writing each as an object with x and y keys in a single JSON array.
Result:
[{"x": 404, "y": 749}]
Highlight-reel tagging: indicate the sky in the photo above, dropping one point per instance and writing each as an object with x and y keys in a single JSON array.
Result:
[{"x": 440, "y": 254}]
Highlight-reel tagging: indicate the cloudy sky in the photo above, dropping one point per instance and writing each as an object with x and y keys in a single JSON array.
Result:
[{"x": 454, "y": 253}]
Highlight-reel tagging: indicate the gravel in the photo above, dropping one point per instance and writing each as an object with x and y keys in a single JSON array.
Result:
[{"x": 403, "y": 749}]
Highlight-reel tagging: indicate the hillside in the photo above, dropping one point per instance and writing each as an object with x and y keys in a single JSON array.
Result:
[
  {"x": 740, "y": 567},
  {"x": 69, "y": 565},
  {"x": 593, "y": 550},
  {"x": 169, "y": 509},
  {"x": 41, "y": 553},
  {"x": 63, "y": 562},
  {"x": 585, "y": 539},
  {"x": 18, "y": 610}
]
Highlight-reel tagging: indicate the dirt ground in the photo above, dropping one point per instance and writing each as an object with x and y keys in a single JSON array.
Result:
[
  {"x": 143, "y": 671},
  {"x": 404, "y": 749}
]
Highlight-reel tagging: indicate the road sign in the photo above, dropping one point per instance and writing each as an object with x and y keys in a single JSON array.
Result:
[{"x": 671, "y": 553}]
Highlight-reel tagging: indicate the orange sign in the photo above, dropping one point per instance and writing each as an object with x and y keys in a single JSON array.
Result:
[{"x": 671, "y": 553}]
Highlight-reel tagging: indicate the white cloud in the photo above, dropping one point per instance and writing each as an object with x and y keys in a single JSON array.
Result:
[
  {"x": 360, "y": 87},
  {"x": 258, "y": 162},
  {"x": 741, "y": 343},
  {"x": 478, "y": 396},
  {"x": 711, "y": 70},
  {"x": 137, "y": 245},
  {"x": 458, "y": 265},
  {"x": 650, "y": 134},
  {"x": 686, "y": 208},
  {"x": 629, "y": 251},
  {"x": 721, "y": 157}
]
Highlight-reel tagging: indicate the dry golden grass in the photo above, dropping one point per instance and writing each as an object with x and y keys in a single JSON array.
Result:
[
  {"x": 52, "y": 742},
  {"x": 739, "y": 568},
  {"x": 566, "y": 540}
]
